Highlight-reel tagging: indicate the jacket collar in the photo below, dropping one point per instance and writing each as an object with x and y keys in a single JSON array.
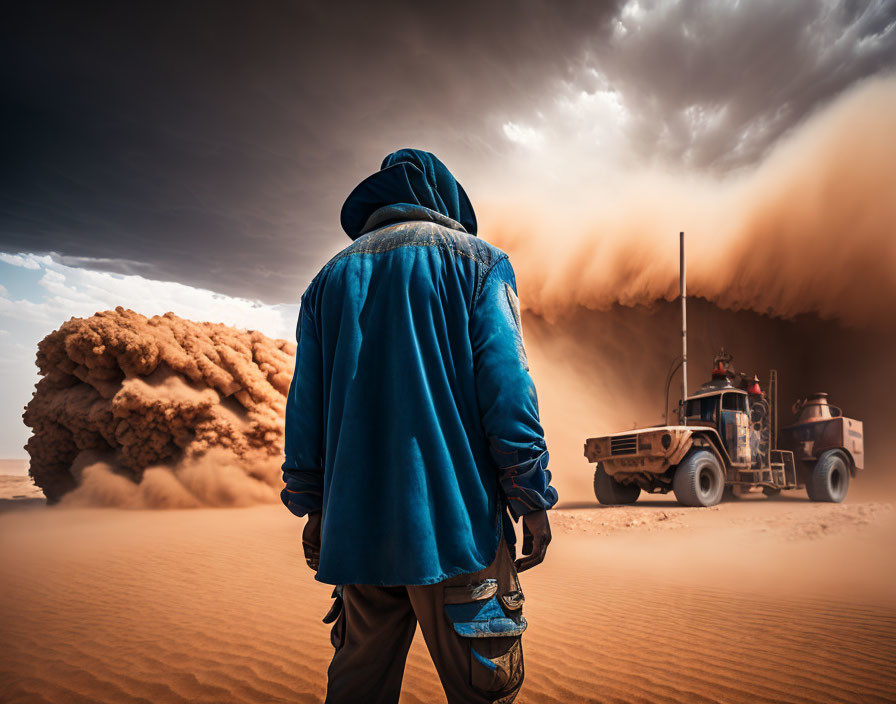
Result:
[{"x": 404, "y": 212}]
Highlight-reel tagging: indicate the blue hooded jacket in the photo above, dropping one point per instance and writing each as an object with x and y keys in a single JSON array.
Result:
[{"x": 411, "y": 420}]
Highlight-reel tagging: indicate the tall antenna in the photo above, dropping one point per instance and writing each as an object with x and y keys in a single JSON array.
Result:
[{"x": 684, "y": 327}]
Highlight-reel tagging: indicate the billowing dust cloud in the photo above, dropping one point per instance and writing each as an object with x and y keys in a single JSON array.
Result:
[
  {"x": 810, "y": 230},
  {"x": 791, "y": 265},
  {"x": 159, "y": 412}
]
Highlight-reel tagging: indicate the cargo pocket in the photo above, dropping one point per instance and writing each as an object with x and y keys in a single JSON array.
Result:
[
  {"x": 491, "y": 626},
  {"x": 336, "y": 616}
]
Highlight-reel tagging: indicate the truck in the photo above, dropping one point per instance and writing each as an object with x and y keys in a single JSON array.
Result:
[{"x": 726, "y": 443}]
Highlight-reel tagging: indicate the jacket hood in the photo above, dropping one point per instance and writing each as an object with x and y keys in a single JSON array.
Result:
[{"x": 409, "y": 177}]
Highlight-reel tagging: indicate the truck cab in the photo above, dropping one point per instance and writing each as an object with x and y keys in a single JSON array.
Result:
[{"x": 728, "y": 413}]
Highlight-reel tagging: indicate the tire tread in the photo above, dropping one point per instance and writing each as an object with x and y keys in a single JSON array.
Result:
[
  {"x": 609, "y": 492},
  {"x": 684, "y": 482}
]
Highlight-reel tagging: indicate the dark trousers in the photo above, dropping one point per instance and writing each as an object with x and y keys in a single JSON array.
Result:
[{"x": 472, "y": 625}]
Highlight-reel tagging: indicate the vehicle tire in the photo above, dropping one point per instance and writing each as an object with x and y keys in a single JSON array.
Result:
[
  {"x": 829, "y": 480},
  {"x": 612, "y": 493},
  {"x": 699, "y": 480}
]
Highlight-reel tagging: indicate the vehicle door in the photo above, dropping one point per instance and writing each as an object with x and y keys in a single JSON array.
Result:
[{"x": 734, "y": 427}]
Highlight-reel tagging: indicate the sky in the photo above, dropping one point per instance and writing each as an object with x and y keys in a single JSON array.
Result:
[{"x": 194, "y": 157}]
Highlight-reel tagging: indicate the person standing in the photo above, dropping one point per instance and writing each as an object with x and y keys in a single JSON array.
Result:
[{"x": 413, "y": 437}]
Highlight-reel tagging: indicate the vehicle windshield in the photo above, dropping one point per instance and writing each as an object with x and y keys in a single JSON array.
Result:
[
  {"x": 701, "y": 410},
  {"x": 734, "y": 402}
]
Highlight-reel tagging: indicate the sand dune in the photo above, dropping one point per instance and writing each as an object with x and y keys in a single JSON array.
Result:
[{"x": 753, "y": 601}]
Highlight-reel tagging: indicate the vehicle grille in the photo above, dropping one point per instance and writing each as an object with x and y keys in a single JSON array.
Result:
[{"x": 624, "y": 445}]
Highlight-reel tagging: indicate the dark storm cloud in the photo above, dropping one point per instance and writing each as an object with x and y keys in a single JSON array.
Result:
[
  {"x": 213, "y": 143},
  {"x": 714, "y": 84}
]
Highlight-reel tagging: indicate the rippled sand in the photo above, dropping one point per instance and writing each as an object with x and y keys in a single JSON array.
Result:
[{"x": 758, "y": 600}]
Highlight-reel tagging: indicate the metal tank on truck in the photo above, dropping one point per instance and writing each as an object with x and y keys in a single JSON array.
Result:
[
  {"x": 829, "y": 448},
  {"x": 726, "y": 441}
]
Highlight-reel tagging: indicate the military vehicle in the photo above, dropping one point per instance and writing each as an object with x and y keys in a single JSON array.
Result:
[{"x": 726, "y": 442}]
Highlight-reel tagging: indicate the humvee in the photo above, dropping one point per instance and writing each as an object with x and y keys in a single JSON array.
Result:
[{"x": 725, "y": 441}]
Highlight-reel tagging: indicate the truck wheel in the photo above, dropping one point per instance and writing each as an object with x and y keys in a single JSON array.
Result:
[
  {"x": 829, "y": 480},
  {"x": 612, "y": 493},
  {"x": 699, "y": 480}
]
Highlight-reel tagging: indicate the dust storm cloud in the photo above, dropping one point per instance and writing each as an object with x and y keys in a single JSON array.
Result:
[
  {"x": 790, "y": 266},
  {"x": 158, "y": 412},
  {"x": 809, "y": 230}
]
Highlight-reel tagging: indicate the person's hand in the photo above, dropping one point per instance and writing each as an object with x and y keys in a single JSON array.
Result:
[
  {"x": 536, "y": 537},
  {"x": 311, "y": 540}
]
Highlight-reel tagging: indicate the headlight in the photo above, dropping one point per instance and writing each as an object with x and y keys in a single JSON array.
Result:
[{"x": 666, "y": 440}]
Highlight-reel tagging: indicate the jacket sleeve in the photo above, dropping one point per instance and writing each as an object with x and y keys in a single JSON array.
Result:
[
  {"x": 507, "y": 401},
  {"x": 303, "y": 469}
]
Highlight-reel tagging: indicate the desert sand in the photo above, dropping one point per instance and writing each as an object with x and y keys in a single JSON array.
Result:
[{"x": 754, "y": 600}]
